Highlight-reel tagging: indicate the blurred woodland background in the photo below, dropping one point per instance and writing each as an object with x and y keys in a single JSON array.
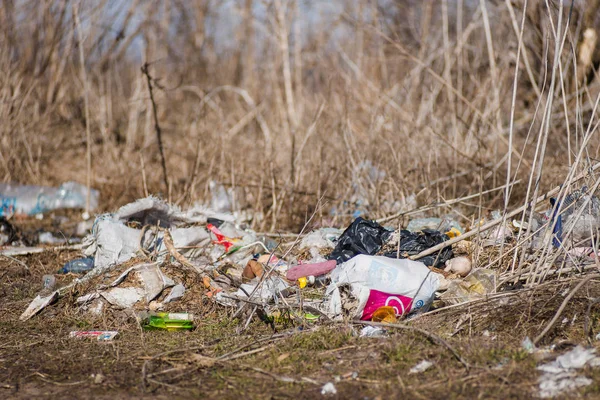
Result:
[{"x": 366, "y": 105}]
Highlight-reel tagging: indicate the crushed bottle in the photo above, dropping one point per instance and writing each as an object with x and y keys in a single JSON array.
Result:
[{"x": 78, "y": 266}]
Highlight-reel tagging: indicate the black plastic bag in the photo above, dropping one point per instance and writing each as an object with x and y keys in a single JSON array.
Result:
[
  {"x": 412, "y": 243},
  {"x": 361, "y": 237}
]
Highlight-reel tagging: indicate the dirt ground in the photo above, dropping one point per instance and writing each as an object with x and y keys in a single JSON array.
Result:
[{"x": 221, "y": 359}]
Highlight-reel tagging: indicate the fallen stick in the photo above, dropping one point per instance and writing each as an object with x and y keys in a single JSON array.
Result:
[
  {"x": 498, "y": 221},
  {"x": 168, "y": 240}
]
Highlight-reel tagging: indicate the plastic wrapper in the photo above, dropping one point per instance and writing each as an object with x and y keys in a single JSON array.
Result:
[
  {"x": 361, "y": 237},
  {"x": 112, "y": 242},
  {"x": 440, "y": 224},
  {"x": 365, "y": 283},
  {"x": 221, "y": 199},
  {"x": 323, "y": 238},
  {"x": 479, "y": 283},
  {"x": 268, "y": 291}
]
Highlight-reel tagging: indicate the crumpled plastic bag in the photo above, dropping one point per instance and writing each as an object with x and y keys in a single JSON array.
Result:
[
  {"x": 361, "y": 237},
  {"x": 151, "y": 210},
  {"x": 444, "y": 224},
  {"x": 112, "y": 242},
  {"x": 412, "y": 243},
  {"x": 377, "y": 281},
  {"x": 323, "y": 238},
  {"x": 476, "y": 285},
  {"x": 268, "y": 291}
]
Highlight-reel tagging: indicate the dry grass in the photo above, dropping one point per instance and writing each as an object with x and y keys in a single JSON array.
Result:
[{"x": 289, "y": 120}]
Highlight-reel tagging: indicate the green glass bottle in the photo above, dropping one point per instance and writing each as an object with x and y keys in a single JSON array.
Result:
[{"x": 168, "y": 321}]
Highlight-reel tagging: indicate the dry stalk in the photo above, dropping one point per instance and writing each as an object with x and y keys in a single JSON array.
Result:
[
  {"x": 163, "y": 161},
  {"x": 562, "y": 307},
  {"x": 86, "y": 91},
  {"x": 498, "y": 221}
]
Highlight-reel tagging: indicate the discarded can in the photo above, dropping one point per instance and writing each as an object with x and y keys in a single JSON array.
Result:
[
  {"x": 99, "y": 335},
  {"x": 167, "y": 321},
  {"x": 79, "y": 266}
]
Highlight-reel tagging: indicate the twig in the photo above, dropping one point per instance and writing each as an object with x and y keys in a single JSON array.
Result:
[
  {"x": 279, "y": 378},
  {"x": 264, "y": 277},
  {"x": 173, "y": 251},
  {"x": 144, "y": 181},
  {"x": 45, "y": 379},
  {"x": 157, "y": 128},
  {"x": 86, "y": 94},
  {"x": 15, "y": 260},
  {"x": 562, "y": 307},
  {"x": 246, "y": 353},
  {"x": 166, "y": 353},
  {"x": 278, "y": 336}
]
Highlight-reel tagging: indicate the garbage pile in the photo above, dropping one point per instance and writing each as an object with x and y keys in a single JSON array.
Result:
[
  {"x": 366, "y": 272},
  {"x": 363, "y": 272},
  {"x": 18, "y": 202}
]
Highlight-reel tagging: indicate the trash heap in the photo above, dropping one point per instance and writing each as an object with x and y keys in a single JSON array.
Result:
[
  {"x": 133, "y": 259},
  {"x": 363, "y": 272}
]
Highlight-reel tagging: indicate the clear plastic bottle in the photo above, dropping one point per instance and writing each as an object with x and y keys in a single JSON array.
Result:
[
  {"x": 49, "y": 281},
  {"x": 32, "y": 200},
  {"x": 79, "y": 266}
]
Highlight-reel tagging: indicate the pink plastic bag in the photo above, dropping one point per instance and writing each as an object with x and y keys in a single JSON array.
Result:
[{"x": 401, "y": 304}]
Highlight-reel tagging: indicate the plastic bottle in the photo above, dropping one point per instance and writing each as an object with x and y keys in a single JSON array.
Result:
[
  {"x": 49, "y": 281},
  {"x": 79, "y": 266},
  {"x": 32, "y": 200},
  {"x": 167, "y": 321}
]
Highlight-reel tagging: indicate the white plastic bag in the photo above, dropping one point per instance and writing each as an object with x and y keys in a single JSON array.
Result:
[{"x": 376, "y": 281}]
